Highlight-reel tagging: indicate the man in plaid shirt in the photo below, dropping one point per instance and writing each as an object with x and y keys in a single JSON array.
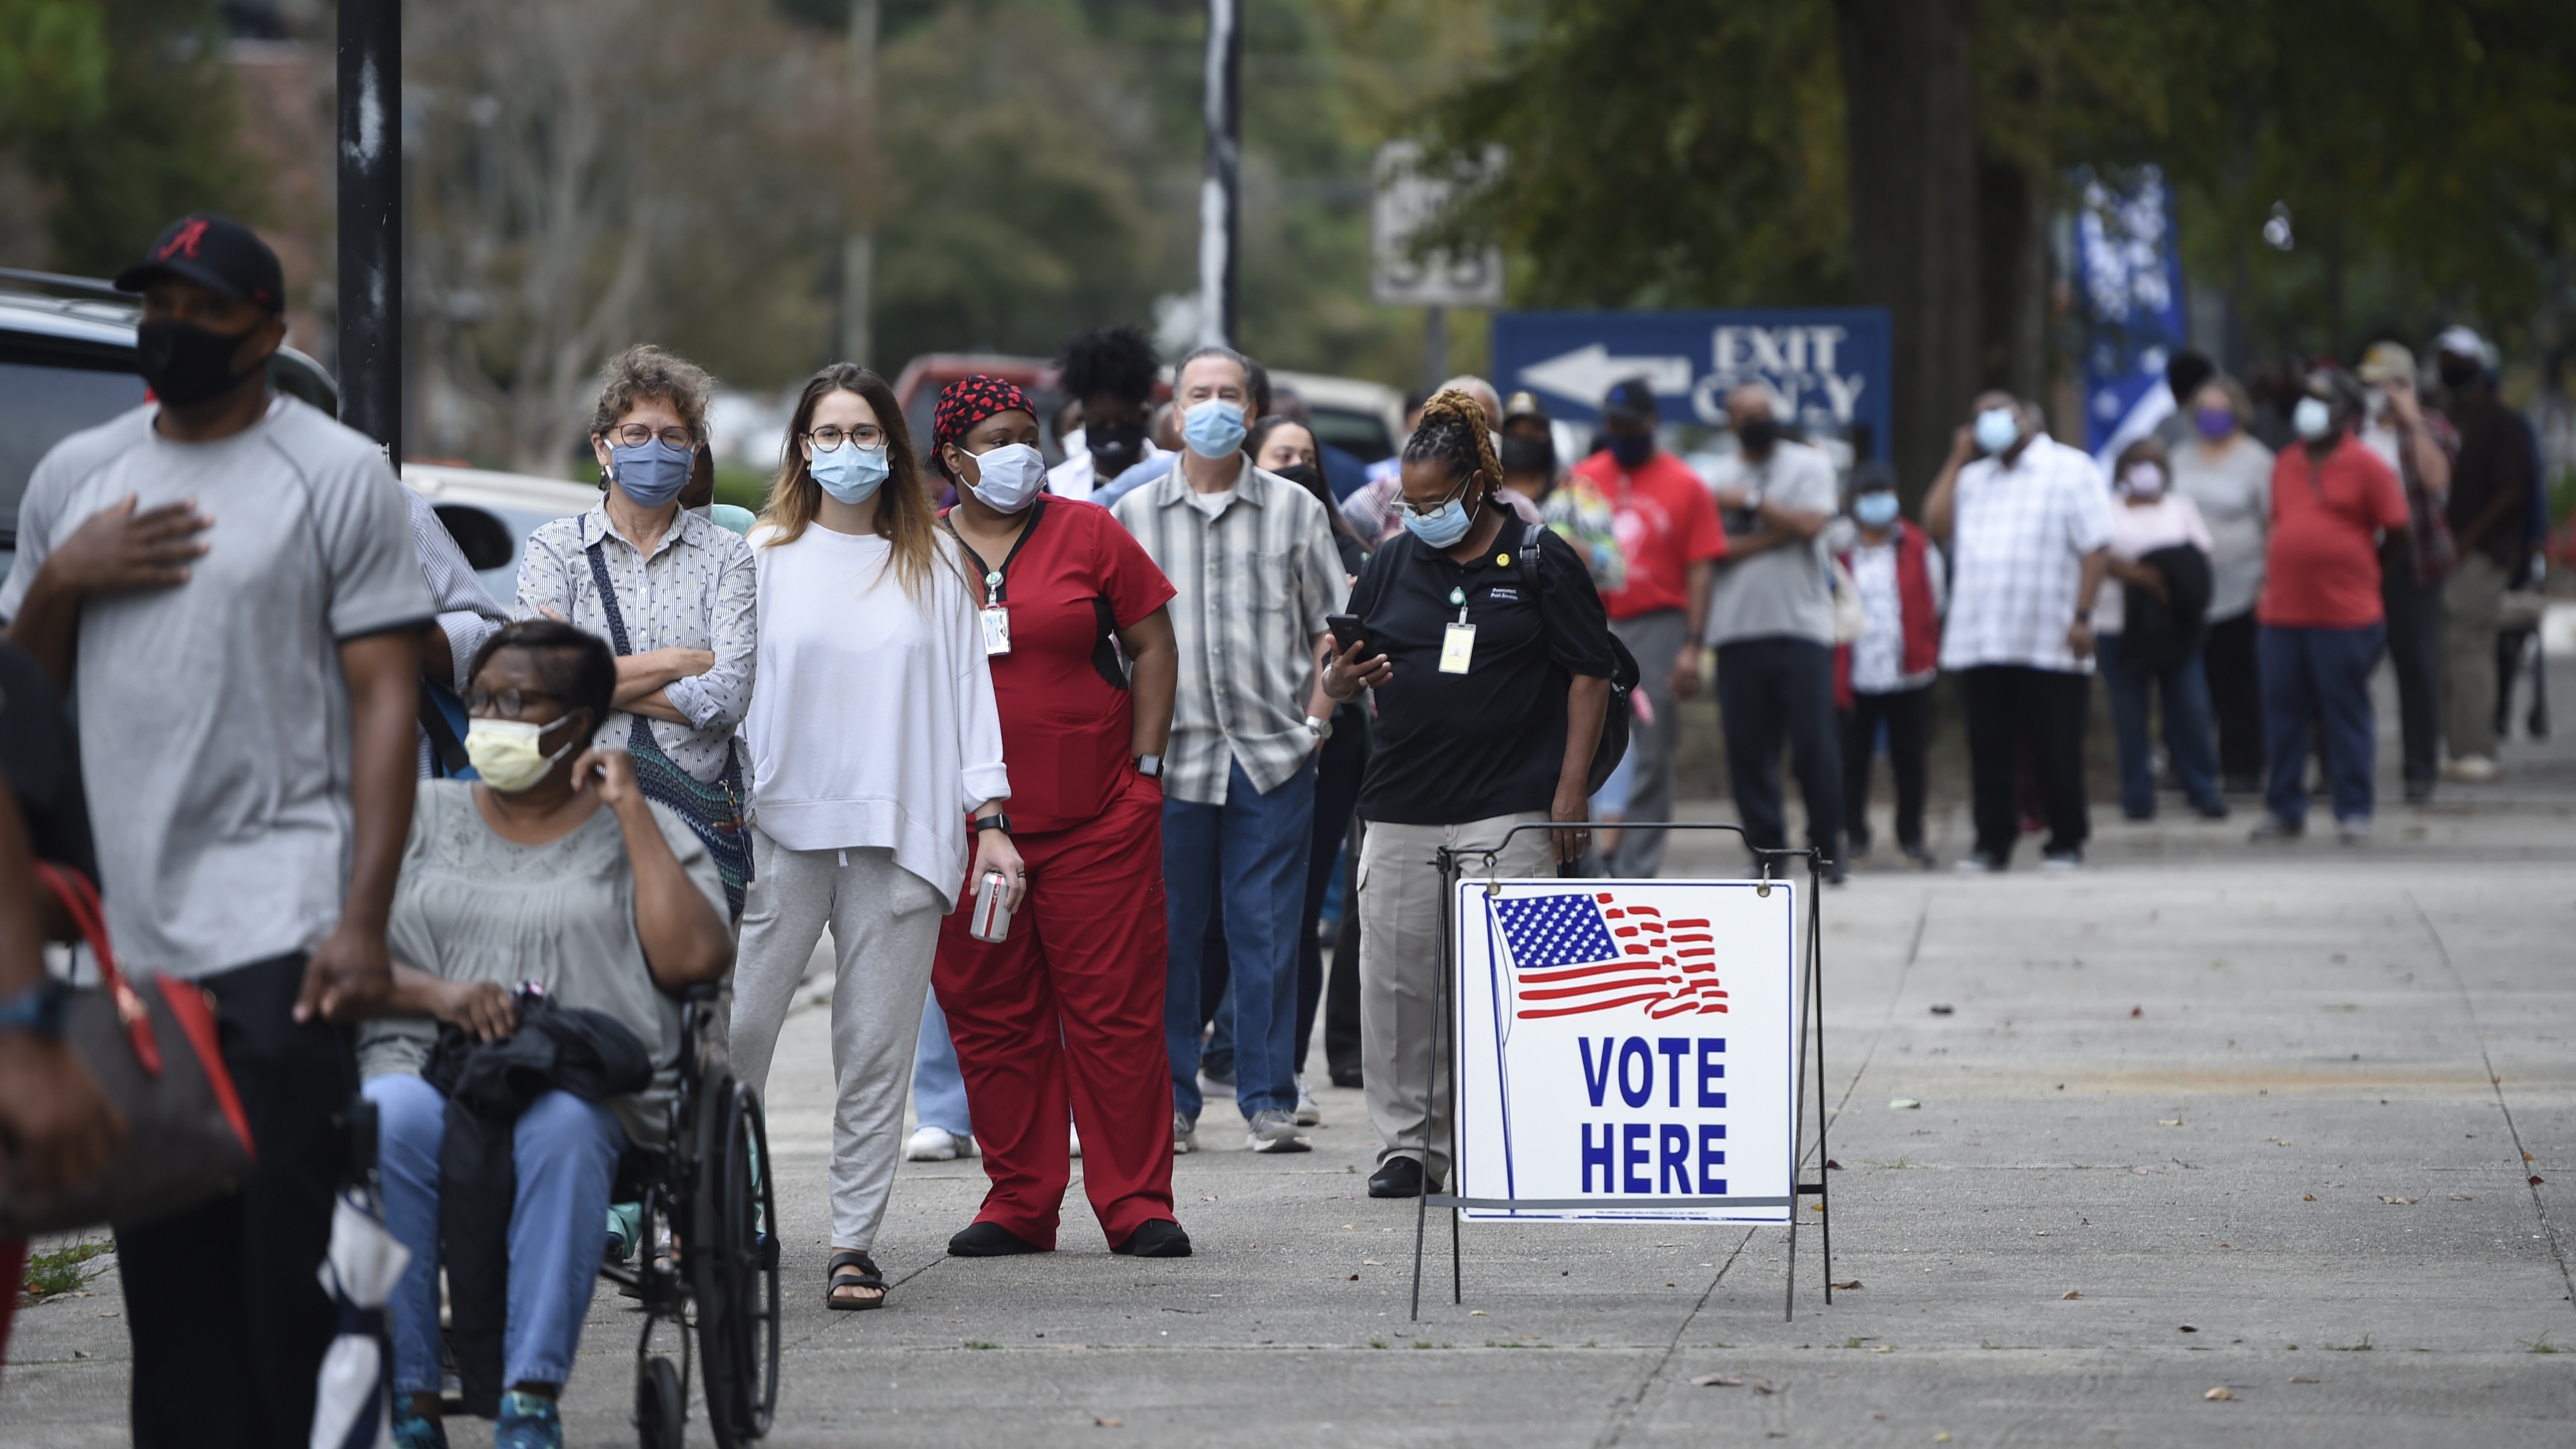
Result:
[{"x": 2028, "y": 526}]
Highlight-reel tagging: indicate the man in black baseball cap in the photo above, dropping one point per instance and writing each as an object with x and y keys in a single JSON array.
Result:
[{"x": 214, "y": 303}]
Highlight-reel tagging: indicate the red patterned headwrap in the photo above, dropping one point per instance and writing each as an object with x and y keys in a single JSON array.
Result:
[{"x": 968, "y": 401}]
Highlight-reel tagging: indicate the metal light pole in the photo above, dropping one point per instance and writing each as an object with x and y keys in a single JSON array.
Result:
[
  {"x": 859, "y": 248},
  {"x": 370, "y": 220},
  {"x": 1221, "y": 193}
]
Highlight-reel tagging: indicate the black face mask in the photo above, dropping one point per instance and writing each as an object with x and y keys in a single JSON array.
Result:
[
  {"x": 186, "y": 364},
  {"x": 2459, "y": 372},
  {"x": 1529, "y": 455},
  {"x": 1114, "y": 448},
  {"x": 1632, "y": 449},
  {"x": 1758, "y": 434},
  {"x": 1310, "y": 478}
]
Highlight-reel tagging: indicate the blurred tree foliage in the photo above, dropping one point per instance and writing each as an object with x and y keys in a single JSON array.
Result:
[{"x": 122, "y": 113}]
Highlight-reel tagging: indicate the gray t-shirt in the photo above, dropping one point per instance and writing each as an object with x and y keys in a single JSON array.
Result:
[
  {"x": 472, "y": 906},
  {"x": 214, "y": 719},
  {"x": 1784, "y": 592},
  {"x": 2234, "y": 492}
]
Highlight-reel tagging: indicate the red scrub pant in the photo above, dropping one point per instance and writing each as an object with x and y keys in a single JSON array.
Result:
[{"x": 1070, "y": 1004}]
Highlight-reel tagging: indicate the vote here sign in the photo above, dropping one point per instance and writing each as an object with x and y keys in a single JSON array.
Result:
[{"x": 1626, "y": 1050}]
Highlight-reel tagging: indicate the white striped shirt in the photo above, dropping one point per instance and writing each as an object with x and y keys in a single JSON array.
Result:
[
  {"x": 1254, "y": 583},
  {"x": 2018, "y": 542}
]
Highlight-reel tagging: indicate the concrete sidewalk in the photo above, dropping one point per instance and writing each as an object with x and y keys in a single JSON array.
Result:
[{"x": 2298, "y": 1123}]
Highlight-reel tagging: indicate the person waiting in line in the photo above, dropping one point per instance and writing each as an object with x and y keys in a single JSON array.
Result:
[
  {"x": 2323, "y": 625},
  {"x": 1883, "y": 678},
  {"x": 1066, "y": 1010},
  {"x": 1344, "y": 473},
  {"x": 1569, "y": 503},
  {"x": 2489, "y": 512},
  {"x": 225, "y": 579},
  {"x": 1289, "y": 448},
  {"x": 1376, "y": 511},
  {"x": 2417, "y": 443},
  {"x": 552, "y": 868},
  {"x": 2028, "y": 520},
  {"x": 1771, "y": 625},
  {"x": 2148, "y": 633},
  {"x": 876, "y": 754},
  {"x": 671, "y": 590},
  {"x": 700, "y": 496},
  {"x": 1253, "y": 561},
  {"x": 1110, "y": 373},
  {"x": 1669, "y": 527},
  {"x": 2227, "y": 474},
  {"x": 1490, "y": 658}
]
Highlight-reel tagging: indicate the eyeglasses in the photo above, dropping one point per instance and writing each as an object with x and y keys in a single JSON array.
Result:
[
  {"x": 501, "y": 703},
  {"x": 827, "y": 437},
  {"x": 1418, "y": 511},
  {"x": 636, "y": 435}
]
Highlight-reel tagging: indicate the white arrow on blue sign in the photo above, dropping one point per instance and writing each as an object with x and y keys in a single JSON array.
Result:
[{"x": 1829, "y": 364}]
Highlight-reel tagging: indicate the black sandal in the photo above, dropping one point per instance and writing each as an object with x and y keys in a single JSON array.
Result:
[{"x": 850, "y": 1268}]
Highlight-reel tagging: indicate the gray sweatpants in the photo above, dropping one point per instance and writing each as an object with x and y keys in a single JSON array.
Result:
[
  {"x": 1656, "y": 640},
  {"x": 2471, "y": 599},
  {"x": 885, "y": 931},
  {"x": 1399, "y": 889}
]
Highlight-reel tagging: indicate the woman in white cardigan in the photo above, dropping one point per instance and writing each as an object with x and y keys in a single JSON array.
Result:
[{"x": 875, "y": 746}]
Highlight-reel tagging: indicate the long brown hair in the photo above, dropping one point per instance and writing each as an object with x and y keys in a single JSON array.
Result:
[{"x": 904, "y": 516}]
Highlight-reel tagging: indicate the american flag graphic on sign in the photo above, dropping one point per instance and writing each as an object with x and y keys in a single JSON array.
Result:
[{"x": 1579, "y": 953}]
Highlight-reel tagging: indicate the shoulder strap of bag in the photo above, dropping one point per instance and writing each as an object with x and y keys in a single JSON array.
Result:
[
  {"x": 80, "y": 902},
  {"x": 608, "y": 597}
]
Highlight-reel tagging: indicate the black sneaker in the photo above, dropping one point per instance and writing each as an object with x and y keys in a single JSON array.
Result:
[
  {"x": 990, "y": 1240},
  {"x": 1159, "y": 1238},
  {"x": 1400, "y": 1177},
  {"x": 2273, "y": 827}
]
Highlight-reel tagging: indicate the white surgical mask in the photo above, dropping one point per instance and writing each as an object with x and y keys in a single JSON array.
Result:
[
  {"x": 2144, "y": 480},
  {"x": 505, "y": 752},
  {"x": 1997, "y": 429},
  {"x": 2312, "y": 418},
  {"x": 1009, "y": 476}
]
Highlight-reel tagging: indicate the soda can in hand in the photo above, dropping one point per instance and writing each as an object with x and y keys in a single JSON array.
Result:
[{"x": 991, "y": 920}]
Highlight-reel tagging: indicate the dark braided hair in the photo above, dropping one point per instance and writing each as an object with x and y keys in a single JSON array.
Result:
[{"x": 1454, "y": 432}]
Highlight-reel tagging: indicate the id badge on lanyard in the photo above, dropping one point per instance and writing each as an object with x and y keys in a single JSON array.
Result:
[
  {"x": 996, "y": 617},
  {"x": 1458, "y": 643}
]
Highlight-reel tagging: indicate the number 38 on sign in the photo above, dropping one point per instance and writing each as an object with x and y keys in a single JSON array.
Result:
[{"x": 1625, "y": 1050}]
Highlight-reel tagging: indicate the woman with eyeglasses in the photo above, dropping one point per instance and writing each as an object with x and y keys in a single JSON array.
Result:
[
  {"x": 1066, "y": 1011},
  {"x": 876, "y": 759},
  {"x": 672, "y": 592}
]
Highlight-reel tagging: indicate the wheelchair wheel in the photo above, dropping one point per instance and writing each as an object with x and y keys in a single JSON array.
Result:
[
  {"x": 661, "y": 1404},
  {"x": 733, "y": 1264}
]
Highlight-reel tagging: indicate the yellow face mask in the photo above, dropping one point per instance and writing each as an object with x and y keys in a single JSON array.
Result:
[{"x": 506, "y": 754}]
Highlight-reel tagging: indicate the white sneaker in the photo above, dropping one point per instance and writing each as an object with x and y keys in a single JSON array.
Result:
[
  {"x": 1073, "y": 1138},
  {"x": 2353, "y": 831},
  {"x": 1308, "y": 1114},
  {"x": 1185, "y": 1134},
  {"x": 937, "y": 1144},
  {"x": 1274, "y": 1130},
  {"x": 2475, "y": 769}
]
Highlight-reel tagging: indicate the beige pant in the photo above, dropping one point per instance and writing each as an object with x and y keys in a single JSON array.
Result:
[
  {"x": 2470, "y": 600},
  {"x": 1399, "y": 890}
]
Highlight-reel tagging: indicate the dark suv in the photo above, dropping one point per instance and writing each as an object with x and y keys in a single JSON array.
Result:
[{"x": 67, "y": 363}]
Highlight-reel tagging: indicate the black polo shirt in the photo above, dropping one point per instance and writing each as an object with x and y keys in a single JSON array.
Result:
[{"x": 1450, "y": 748}]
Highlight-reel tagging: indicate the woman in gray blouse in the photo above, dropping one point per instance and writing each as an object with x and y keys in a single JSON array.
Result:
[
  {"x": 552, "y": 869},
  {"x": 2223, "y": 470},
  {"x": 670, "y": 589}
]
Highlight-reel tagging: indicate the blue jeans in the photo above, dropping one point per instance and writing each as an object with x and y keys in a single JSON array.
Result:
[
  {"x": 1252, "y": 849},
  {"x": 2312, "y": 676},
  {"x": 2185, "y": 692},
  {"x": 938, "y": 1091},
  {"x": 566, "y": 1152}
]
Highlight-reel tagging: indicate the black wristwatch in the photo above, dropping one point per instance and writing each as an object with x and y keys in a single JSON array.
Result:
[
  {"x": 1150, "y": 766},
  {"x": 38, "y": 1010},
  {"x": 995, "y": 821}
]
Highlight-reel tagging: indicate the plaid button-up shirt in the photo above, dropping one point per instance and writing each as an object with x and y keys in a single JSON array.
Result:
[
  {"x": 1254, "y": 584},
  {"x": 2017, "y": 554}
]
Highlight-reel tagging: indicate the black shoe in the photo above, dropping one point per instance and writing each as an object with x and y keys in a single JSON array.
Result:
[
  {"x": 1400, "y": 1177},
  {"x": 2419, "y": 792},
  {"x": 990, "y": 1240},
  {"x": 1347, "y": 1077},
  {"x": 1159, "y": 1238},
  {"x": 2211, "y": 810}
]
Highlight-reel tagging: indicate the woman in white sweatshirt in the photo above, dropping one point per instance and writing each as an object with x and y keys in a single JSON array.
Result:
[{"x": 876, "y": 757}]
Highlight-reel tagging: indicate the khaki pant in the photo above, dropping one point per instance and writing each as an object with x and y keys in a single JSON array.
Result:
[
  {"x": 2470, "y": 598},
  {"x": 1399, "y": 904}
]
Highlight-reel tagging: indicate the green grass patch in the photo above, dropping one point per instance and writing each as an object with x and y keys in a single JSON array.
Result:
[
  {"x": 60, "y": 1270},
  {"x": 2540, "y": 1345}
]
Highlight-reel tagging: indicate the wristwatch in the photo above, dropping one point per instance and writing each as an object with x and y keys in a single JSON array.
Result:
[
  {"x": 2084, "y": 616},
  {"x": 1319, "y": 727},
  {"x": 1753, "y": 500},
  {"x": 38, "y": 1010},
  {"x": 1150, "y": 766},
  {"x": 995, "y": 821}
]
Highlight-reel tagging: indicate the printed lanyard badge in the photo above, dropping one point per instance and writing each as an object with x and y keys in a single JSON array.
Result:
[
  {"x": 1458, "y": 644},
  {"x": 996, "y": 617}
]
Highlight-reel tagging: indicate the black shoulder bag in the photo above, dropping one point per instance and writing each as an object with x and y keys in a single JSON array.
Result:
[{"x": 1624, "y": 676}]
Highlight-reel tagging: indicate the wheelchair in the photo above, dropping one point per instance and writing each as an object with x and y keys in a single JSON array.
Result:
[{"x": 706, "y": 1250}]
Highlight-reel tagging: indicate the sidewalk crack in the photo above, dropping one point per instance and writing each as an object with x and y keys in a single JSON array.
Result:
[{"x": 1624, "y": 1411}]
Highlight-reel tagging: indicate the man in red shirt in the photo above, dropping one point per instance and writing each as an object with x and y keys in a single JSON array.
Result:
[
  {"x": 1667, "y": 528},
  {"x": 2323, "y": 625}
]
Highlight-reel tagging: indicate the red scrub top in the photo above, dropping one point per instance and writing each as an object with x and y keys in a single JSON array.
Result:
[{"x": 1074, "y": 578}]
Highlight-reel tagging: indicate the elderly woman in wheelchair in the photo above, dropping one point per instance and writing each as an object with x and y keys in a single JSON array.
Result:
[{"x": 551, "y": 880}]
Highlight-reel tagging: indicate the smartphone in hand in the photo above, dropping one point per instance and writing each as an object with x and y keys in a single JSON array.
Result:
[{"x": 1346, "y": 631}]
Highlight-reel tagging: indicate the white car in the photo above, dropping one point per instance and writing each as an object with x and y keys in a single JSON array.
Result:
[{"x": 492, "y": 514}]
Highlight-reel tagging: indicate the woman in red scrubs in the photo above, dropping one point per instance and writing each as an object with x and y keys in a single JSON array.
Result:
[{"x": 1069, "y": 1005}]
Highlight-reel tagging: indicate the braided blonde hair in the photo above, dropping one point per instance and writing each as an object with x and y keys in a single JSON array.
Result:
[{"x": 1455, "y": 431}]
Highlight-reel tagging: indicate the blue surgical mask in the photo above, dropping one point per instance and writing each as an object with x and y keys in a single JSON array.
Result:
[
  {"x": 1997, "y": 429},
  {"x": 848, "y": 472},
  {"x": 1213, "y": 428},
  {"x": 651, "y": 475},
  {"x": 1876, "y": 510},
  {"x": 1443, "y": 526}
]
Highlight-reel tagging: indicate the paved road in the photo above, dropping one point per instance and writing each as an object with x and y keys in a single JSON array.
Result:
[{"x": 2299, "y": 1124}]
